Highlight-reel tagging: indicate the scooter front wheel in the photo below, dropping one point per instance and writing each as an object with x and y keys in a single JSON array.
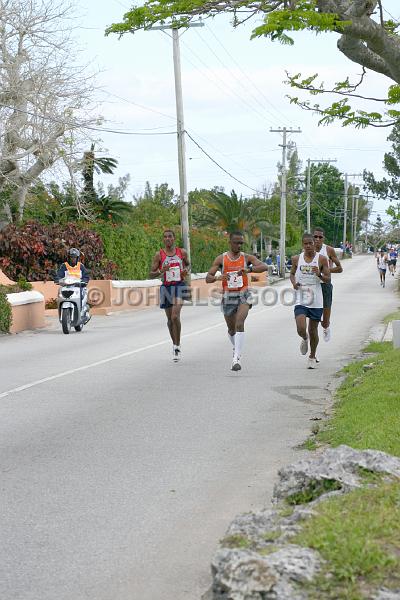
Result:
[{"x": 66, "y": 320}]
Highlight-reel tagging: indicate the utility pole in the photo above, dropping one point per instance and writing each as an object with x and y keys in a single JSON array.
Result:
[
  {"x": 309, "y": 162},
  {"x": 346, "y": 194},
  {"x": 355, "y": 219},
  {"x": 180, "y": 127},
  {"x": 282, "y": 241}
]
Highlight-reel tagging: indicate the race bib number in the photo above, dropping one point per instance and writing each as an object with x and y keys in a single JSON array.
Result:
[
  {"x": 174, "y": 274},
  {"x": 307, "y": 294},
  {"x": 235, "y": 281}
]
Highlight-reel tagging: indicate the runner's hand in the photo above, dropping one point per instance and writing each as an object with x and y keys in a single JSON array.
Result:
[
  {"x": 164, "y": 268},
  {"x": 296, "y": 286},
  {"x": 315, "y": 270}
]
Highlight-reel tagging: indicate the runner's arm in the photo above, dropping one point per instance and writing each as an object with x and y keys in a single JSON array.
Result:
[
  {"x": 334, "y": 258},
  {"x": 155, "y": 267},
  {"x": 325, "y": 272},
  {"x": 186, "y": 263},
  {"x": 256, "y": 266},
  {"x": 293, "y": 270},
  {"x": 216, "y": 266}
]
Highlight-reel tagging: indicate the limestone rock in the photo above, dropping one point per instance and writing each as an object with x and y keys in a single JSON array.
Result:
[
  {"x": 246, "y": 575},
  {"x": 385, "y": 594},
  {"x": 340, "y": 464}
]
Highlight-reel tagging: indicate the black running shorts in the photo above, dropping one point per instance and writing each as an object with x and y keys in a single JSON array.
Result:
[{"x": 327, "y": 289}]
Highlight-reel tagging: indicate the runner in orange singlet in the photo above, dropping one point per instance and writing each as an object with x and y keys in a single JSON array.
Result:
[{"x": 237, "y": 300}]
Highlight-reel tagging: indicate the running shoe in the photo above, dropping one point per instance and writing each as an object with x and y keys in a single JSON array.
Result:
[
  {"x": 304, "y": 346},
  {"x": 177, "y": 354},
  {"x": 326, "y": 334},
  {"x": 236, "y": 366},
  {"x": 312, "y": 363}
]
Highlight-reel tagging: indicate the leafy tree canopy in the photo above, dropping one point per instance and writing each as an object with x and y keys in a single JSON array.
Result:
[
  {"x": 366, "y": 38},
  {"x": 389, "y": 188}
]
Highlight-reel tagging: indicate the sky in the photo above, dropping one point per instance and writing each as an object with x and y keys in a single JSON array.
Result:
[{"x": 233, "y": 95}]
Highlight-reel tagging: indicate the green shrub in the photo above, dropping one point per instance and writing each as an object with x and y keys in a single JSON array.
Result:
[
  {"x": 34, "y": 251},
  {"x": 5, "y": 313},
  {"x": 132, "y": 246}
]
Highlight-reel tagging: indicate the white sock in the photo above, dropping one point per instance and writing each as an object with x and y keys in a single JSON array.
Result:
[
  {"x": 231, "y": 339},
  {"x": 239, "y": 341}
]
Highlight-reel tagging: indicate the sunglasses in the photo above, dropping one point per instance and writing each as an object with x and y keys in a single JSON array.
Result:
[{"x": 318, "y": 237}]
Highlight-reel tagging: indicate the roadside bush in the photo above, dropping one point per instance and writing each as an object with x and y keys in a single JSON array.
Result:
[
  {"x": 132, "y": 247},
  {"x": 33, "y": 251},
  {"x": 206, "y": 246},
  {"x": 5, "y": 312}
]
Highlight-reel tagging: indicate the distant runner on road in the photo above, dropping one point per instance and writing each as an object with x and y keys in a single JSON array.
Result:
[
  {"x": 382, "y": 261},
  {"x": 237, "y": 300},
  {"x": 392, "y": 260},
  {"x": 171, "y": 265},
  {"x": 327, "y": 288},
  {"x": 309, "y": 270}
]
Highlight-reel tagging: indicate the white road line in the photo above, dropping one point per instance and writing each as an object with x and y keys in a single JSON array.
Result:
[
  {"x": 104, "y": 361},
  {"x": 26, "y": 386}
]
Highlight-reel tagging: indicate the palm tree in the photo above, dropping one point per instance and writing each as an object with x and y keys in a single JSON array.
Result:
[
  {"x": 90, "y": 165},
  {"x": 108, "y": 208},
  {"x": 231, "y": 213}
]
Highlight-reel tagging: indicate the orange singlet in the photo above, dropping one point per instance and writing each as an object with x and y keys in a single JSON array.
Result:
[{"x": 235, "y": 282}]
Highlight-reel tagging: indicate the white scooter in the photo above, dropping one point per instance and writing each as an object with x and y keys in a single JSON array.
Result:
[{"x": 73, "y": 309}]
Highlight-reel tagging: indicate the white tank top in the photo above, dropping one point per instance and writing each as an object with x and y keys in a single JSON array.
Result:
[
  {"x": 323, "y": 251},
  {"x": 310, "y": 292},
  {"x": 382, "y": 262}
]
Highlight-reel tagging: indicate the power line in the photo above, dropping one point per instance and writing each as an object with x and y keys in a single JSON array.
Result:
[
  {"x": 225, "y": 88},
  {"x": 232, "y": 73},
  {"x": 219, "y": 166},
  {"x": 247, "y": 76},
  {"x": 82, "y": 125},
  {"x": 225, "y": 155},
  {"x": 157, "y": 112}
]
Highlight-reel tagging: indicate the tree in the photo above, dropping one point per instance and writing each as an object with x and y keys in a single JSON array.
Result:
[
  {"x": 43, "y": 92},
  {"x": 389, "y": 188},
  {"x": 107, "y": 208},
  {"x": 231, "y": 213},
  {"x": 378, "y": 234},
  {"x": 158, "y": 207},
  {"x": 92, "y": 164},
  {"x": 327, "y": 203},
  {"x": 373, "y": 43}
]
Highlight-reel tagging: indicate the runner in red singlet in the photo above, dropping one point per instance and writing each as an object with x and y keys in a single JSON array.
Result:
[{"x": 171, "y": 265}]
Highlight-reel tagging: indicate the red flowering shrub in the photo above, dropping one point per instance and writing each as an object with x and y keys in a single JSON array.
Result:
[{"x": 34, "y": 251}]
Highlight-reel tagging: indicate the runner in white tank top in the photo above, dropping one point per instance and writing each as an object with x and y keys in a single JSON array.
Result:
[
  {"x": 327, "y": 288},
  {"x": 309, "y": 269},
  {"x": 381, "y": 261}
]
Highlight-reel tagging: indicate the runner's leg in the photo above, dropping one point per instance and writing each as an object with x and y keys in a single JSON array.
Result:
[
  {"x": 176, "y": 321},
  {"x": 326, "y": 317},
  {"x": 313, "y": 333},
  {"x": 241, "y": 315},
  {"x": 301, "y": 324},
  {"x": 168, "y": 313}
]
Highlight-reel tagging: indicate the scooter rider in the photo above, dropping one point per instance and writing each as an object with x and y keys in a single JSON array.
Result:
[{"x": 72, "y": 267}]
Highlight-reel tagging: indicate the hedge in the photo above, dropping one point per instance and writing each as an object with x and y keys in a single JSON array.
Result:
[
  {"x": 132, "y": 247},
  {"x": 5, "y": 312},
  {"x": 33, "y": 251}
]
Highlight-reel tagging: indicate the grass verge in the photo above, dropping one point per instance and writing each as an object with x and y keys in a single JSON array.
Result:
[
  {"x": 367, "y": 411},
  {"x": 358, "y": 534}
]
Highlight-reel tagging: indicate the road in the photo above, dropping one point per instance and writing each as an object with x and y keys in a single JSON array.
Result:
[{"x": 121, "y": 470}]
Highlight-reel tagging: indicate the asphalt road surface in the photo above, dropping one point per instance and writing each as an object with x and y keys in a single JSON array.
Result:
[{"x": 120, "y": 470}]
